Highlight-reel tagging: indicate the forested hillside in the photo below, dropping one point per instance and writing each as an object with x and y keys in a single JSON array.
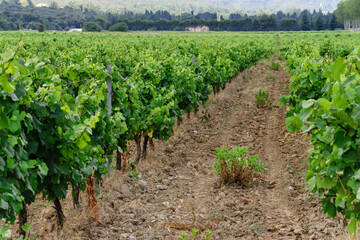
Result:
[
  {"x": 14, "y": 15},
  {"x": 223, "y": 6}
]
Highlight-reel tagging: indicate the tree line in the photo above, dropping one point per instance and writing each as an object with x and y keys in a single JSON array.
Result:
[
  {"x": 305, "y": 21},
  {"x": 14, "y": 15}
]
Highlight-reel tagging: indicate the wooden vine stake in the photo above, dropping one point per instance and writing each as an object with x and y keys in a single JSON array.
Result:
[
  {"x": 118, "y": 159},
  {"x": 109, "y": 93},
  {"x": 92, "y": 199}
]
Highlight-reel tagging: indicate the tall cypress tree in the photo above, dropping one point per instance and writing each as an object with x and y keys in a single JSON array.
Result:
[
  {"x": 333, "y": 22},
  {"x": 319, "y": 22},
  {"x": 304, "y": 21}
]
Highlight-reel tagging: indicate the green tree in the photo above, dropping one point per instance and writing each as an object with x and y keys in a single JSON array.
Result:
[
  {"x": 304, "y": 21},
  {"x": 256, "y": 24},
  {"x": 319, "y": 22},
  {"x": 248, "y": 24},
  {"x": 101, "y": 22},
  {"x": 288, "y": 24},
  {"x": 119, "y": 27},
  {"x": 341, "y": 12},
  {"x": 267, "y": 22},
  {"x": 333, "y": 22},
  {"x": 163, "y": 25},
  {"x": 41, "y": 28},
  {"x": 91, "y": 27}
]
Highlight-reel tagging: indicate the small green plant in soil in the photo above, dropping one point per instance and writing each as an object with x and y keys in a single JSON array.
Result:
[
  {"x": 27, "y": 229},
  {"x": 194, "y": 232},
  {"x": 5, "y": 233},
  {"x": 262, "y": 99},
  {"x": 256, "y": 228},
  {"x": 134, "y": 174},
  {"x": 183, "y": 236},
  {"x": 236, "y": 165},
  {"x": 275, "y": 66},
  {"x": 208, "y": 234}
]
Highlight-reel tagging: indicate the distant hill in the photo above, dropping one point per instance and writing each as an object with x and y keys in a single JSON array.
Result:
[{"x": 220, "y": 6}]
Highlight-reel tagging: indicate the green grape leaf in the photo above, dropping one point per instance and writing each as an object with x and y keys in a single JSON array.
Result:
[
  {"x": 4, "y": 121},
  {"x": 2, "y": 164},
  {"x": 81, "y": 143},
  {"x": 293, "y": 124},
  {"x": 31, "y": 184},
  {"x": 4, "y": 205},
  {"x": 25, "y": 165},
  {"x": 329, "y": 207},
  {"x": 350, "y": 156},
  {"x": 15, "y": 121},
  {"x": 324, "y": 182},
  {"x": 340, "y": 202},
  {"x": 340, "y": 102},
  {"x": 352, "y": 226},
  {"x": 311, "y": 183},
  {"x": 308, "y": 103},
  {"x": 324, "y": 104},
  {"x": 8, "y": 88},
  {"x": 60, "y": 189},
  {"x": 9, "y": 151},
  {"x": 355, "y": 185},
  {"x": 344, "y": 117},
  {"x": 43, "y": 169},
  {"x": 327, "y": 136},
  {"x": 305, "y": 114},
  {"x": 338, "y": 68}
]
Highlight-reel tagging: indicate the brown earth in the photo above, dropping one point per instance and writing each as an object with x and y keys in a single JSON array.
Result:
[{"x": 182, "y": 191}]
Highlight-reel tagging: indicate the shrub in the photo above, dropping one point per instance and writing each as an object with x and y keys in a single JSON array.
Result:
[
  {"x": 91, "y": 27},
  {"x": 236, "y": 166},
  {"x": 41, "y": 28},
  {"x": 262, "y": 98},
  {"x": 119, "y": 27}
]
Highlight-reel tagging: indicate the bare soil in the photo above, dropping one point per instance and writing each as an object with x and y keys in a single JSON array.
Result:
[{"x": 182, "y": 192}]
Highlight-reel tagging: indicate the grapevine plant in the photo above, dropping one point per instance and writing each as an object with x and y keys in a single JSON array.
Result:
[{"x": 332, "y": 118}]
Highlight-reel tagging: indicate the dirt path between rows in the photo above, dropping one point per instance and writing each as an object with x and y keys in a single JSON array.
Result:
[{"x": 181, "y": 191}]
